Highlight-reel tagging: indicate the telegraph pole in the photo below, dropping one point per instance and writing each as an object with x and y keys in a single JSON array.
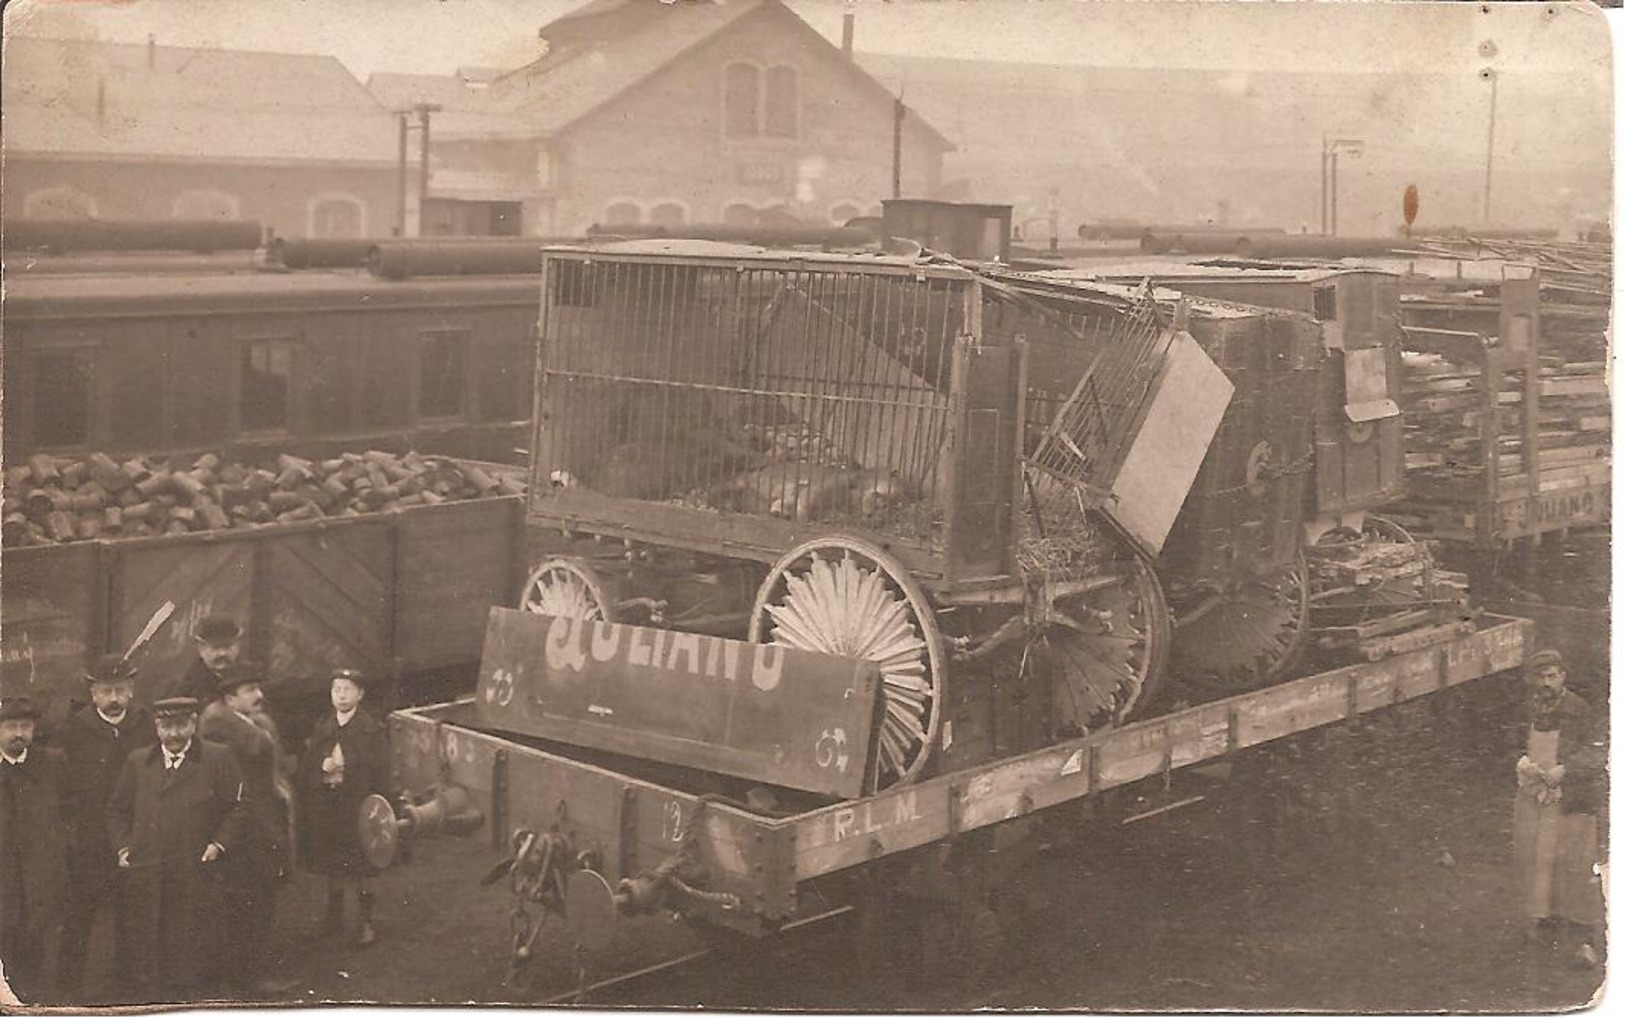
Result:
[
  {"x": 403, "y": 120},
  {"x": 1489, "y": 154}
]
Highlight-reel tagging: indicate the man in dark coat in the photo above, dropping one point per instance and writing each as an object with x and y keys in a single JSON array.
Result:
[
  {"x": 219, "y": 642},
  {"x": 345, "y": 760},
  {"x": 33, "y": 794},
  {"x": 96, "y": 740},
  {"x": 175, "y": 813},
  {"x": 255, "y": 868}
]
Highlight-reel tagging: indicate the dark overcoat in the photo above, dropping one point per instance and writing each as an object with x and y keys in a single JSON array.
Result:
[
  {"x": 266, "y": 789},
  {"x": 33, "y": 870},
  {"x": 167, "y": 819},
  {"x": 329, "y": 842},
  {"x": 96, "y": 752}
]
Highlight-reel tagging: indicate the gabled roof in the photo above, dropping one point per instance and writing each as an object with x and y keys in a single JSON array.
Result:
[
  {"x": 77, "y": 98},
  {"x": 610, "y": 47}
]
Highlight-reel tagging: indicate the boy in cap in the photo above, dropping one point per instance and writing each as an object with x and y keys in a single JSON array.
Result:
[
  {"x": 239, "y": 721},
  {"x": 32, "y": 798},
  {"x": 345, "y": 760},
  {"x": 175, "y": 813},
  {"x": 219, "y": 641},
  {"x": 96, "y": 740}
]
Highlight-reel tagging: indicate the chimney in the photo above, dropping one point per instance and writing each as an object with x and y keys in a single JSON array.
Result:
[
  {"x": 152, "y": 51},
  {"x": 848, "y": 25}
]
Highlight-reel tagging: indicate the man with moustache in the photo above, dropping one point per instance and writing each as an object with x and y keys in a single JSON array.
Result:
[
  {"x": 176, "y": 811},
  {"x": 219, "y": 641},
  {"x": 239, "y": 720},
  {"x": 32, "y": 794},
  {"x": 96, "y": 739}
]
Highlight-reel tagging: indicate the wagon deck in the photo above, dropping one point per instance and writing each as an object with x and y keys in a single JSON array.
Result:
[{"x": 632, "y": 825}]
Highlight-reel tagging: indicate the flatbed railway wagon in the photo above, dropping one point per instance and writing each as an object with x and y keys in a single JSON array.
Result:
[{"x": 617, "y": 773}]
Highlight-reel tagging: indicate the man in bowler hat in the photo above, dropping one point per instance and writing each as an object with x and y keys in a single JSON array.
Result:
[
  {"x": 32, "y": 797},
  {"x": 176, "y": 811},
  {"x": 96, "y": 740},
  {"x": 219, "y": 641},
  {"x": 254, "y": 869}
]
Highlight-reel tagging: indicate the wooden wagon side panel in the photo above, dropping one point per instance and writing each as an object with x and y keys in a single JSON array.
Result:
[
  {"x": 51, "y": 620},
  {"x": 201, "y": 577},
  {"x": 453, "y": 563},
  {"x": 325, "y": 599}
]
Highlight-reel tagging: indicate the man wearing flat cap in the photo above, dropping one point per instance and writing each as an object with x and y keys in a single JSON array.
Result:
[
  {"x": 96, "y": 739},
  {"x": 219, "y": 641},
  {"x": 32, "y": 873},
  {"x": 1561, "y": 788},
  {"x": 239, "y": 721},
  {"x": 176, "y": 811}
]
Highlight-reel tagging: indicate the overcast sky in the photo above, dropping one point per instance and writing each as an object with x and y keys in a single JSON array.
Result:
[{"x": 437, "y": 36}]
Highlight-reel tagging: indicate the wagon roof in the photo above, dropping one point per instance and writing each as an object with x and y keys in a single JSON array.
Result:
[
  {"x": 1215, "y": 269},
  {"x": 65, "y": 296},
  {"x": 702, "y": 251}
]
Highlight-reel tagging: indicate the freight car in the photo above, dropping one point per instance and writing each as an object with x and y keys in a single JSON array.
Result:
[{"x": 172, "y": 354}]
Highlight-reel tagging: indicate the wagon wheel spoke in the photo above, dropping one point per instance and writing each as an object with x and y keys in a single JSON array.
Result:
[
  {"x": 568, "y": 588},
  {"x": 843, "y": 596},
  {"x": 1106, "y": 649},
  {"x": 1250, "y": 636}
]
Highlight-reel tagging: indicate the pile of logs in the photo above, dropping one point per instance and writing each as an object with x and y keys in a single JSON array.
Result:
[{"x": 52, "y": 499}]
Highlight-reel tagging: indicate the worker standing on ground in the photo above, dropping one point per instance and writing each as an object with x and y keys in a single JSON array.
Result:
[
  {"x": 345, "y": 760},
  {"x": 219, "y": 641},
  {"x": 96, "y": 740},
  {"x": 176, "y": 811},
  {"x": 255, "y": 869},
  {"x": 33, "y": 794},
  {"x": 1560, "y": 792}
]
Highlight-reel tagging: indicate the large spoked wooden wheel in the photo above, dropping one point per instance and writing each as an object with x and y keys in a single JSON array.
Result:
[
  {"x": 1246, "y": 637},
  {"x": 569, "y": 588},
  {"x": 844, "y": 596},
  {"x": 1387, "y": 545},
  {"x": 1106, "y": 649}
]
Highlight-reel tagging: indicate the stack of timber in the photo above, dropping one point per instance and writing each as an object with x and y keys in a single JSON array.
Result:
[{"x": 54, "y": 499}]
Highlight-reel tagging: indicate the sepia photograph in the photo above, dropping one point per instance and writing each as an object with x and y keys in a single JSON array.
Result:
[{"x": 858, "y": 506}]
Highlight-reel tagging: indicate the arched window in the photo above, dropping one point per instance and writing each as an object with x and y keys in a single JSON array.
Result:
[
  {"x": 668, "y": 214},
  {"x": 776, "y": 215},
  {"x": 336, "y": 215},
  {"x": 844, "y": 213},
  {"x": 204, "y": 204},
  {"x": 741, "y": 101},
  {"x": 62, "y": 202},
  {"x": 781, "y": 108},
  {"x": 739, "y": 214},
  {"x": 623, "y": 213}
]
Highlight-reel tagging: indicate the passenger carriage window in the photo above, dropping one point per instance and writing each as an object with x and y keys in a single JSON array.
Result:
[
  {"x": 1326, "y": 303},
  {"x": 442, "y": 374},
  {"x": 266, "y": 382},
  {"x": 500, "y": 364},
  {"x": 64, "y": 381}
]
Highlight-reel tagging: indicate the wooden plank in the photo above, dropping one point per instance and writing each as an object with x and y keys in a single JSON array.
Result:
[
  {"x": 48, "y": 624},
  {"x": 758, "y": 711},
  {"x": 326, "y": 597},
  {"x": 454, "y": 562}
]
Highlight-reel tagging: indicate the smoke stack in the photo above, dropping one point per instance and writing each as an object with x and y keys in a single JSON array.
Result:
[
  {"x": 849, "y": 23},
  {"x": 152, "y": 51}
]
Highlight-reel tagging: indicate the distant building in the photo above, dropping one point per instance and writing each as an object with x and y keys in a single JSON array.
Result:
[
  {"x": 663, "y": 113},
  {"x": 116, "y": 131}
]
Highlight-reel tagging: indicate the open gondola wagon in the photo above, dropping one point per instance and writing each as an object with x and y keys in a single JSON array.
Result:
[{"x": 836, "y": 453}]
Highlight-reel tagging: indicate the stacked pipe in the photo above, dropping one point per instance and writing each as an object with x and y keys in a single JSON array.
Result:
[{"x": 51, "y": 499}]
